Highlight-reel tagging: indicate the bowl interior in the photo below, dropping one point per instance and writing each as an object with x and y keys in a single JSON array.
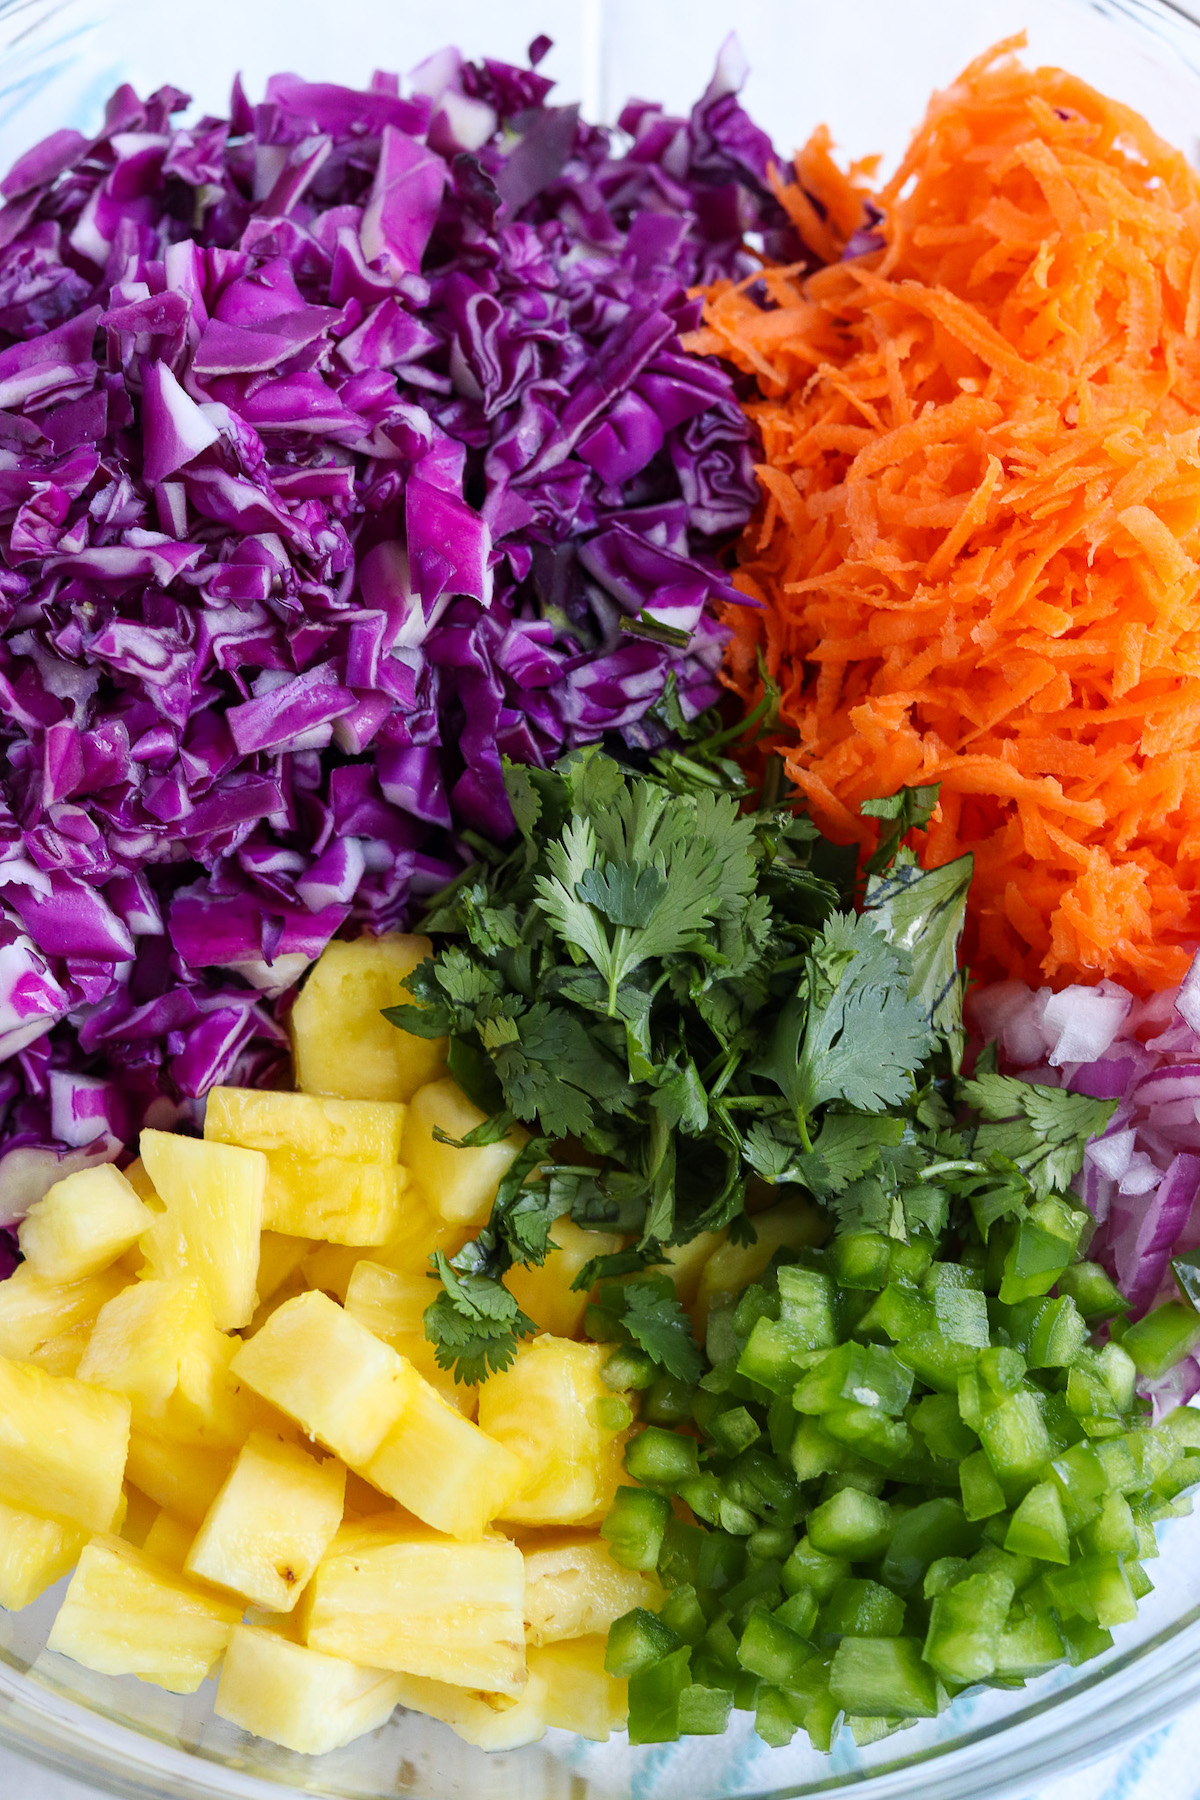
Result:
[{"x": 866, "y": 67}]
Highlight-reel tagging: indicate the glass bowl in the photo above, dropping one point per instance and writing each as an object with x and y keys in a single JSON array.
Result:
[{"x": 865, "y": 67}]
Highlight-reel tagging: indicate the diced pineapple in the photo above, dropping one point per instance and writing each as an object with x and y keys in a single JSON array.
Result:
[
  {"x": 271, "y": 1524},
  {"x": 684, "y": 1263},
  {"x": 792, "y": 1225},
  {"x": 298, "y": 1697},
  {"x": 330, "y": 1267},
  {"x": 459, "y": 1184},
  {"x": 323, "y": 1368},
  {"x": 279, "y": 1258},
  {"x": 62, "y": 1447},
  {"x": 422, "y": 1604},
  {"x": 35, "y": 1313},
  {"x": 333, "y": 1164},
  {"x": 333, "y": 1199},
  {"x": 156, "y": 1342},
  {"x": 140, "y": 1513},
  {"x": 392, "y": 1306},
  {"x": 545, "y": 1293},
  {"x": 343, "y": 1044},
  {"x": 169, "y": 1540},
  {"x": 125, "y": 1614},
  {"x": 489, "y": 1721},
  {"x": 573, "y": 1588},
  {"x": 441, "y": 1466},
  {"x": 581, "y": 1695},
  {"x": 62, "y": 1355},
  {"x": 419, "y": 1232},
  {"x": 142, "y": 1185},
  {"x": 181, "y": 1477},
  {"x": 293, "y": 1286},
  {"x": 34, "y": 1554},
  {"x": 83, "y": 1224},
  {"x": 213, "y": 1194},
  {"x": 548, "y": 1409},
  {"x": 309, "y": 1125}
]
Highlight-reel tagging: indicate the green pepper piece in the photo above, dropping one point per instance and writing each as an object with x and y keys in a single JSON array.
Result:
[
  {"x": 883, "y": 1678},
  {"x": 634, "y": 1527},
  {"x": 1163, "y": 1338}
]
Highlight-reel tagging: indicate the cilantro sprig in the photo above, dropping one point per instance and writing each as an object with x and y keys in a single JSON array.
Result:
[{"x": 691, "y": 1004}]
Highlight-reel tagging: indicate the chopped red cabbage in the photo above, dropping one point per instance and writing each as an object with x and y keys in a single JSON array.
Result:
[{"x": 346, "y": 446}]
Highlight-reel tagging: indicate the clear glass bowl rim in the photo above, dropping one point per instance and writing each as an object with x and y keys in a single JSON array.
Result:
[{"x": 1059, "y": 1732}]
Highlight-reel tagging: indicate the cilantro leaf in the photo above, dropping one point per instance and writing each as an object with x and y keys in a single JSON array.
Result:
[
  {"x": 921, "y": 911},
  {"x": 847, "y": 1147},
  {"x": 475, "y": 1325},
  {"x": 1042, "y": 1130},
  {"x": 856, "y": 1036},
  {"x": 908, "y": 810},
  {"x": 658, "y": 1325}
]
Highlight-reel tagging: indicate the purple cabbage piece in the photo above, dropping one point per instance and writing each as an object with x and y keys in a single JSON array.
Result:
[{"x": 341, "y": 444}]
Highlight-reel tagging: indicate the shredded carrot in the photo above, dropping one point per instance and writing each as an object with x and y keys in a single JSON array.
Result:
[{"x": 978, "y": 556}]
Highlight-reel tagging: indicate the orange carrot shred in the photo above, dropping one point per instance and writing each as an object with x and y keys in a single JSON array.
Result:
[{"x": 978, "y": 559}]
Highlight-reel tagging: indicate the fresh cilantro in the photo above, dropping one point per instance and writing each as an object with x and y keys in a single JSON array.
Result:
[
  {"x": 675, "y": 994},
  {"x": 921, "y": 911},
  {"x": 656, "y": 1323},
  {"x": 1041, "y": 1130},
  {"x": 475, "y": 1325},
  {"x": 909, "y": 810}
]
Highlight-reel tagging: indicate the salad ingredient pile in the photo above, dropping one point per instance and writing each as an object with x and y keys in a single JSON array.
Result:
[
  {"x": 217, "y": 1405},
  {"x": 348, "y": 444},
  {"x": 671, "y": 986},
  {"x": 978, "y": 555},
  {"x": 662, "y": 1290}
]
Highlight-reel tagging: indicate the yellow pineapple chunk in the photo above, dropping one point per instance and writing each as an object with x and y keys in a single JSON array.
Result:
[
  {"x": 545, "y": 1293},
  {"x": 300, "y": 1698},
  {"x": 547, "y": 1408},
  {"x": 34, "y": 1554},
  {"x": 321, "y": 1367},
  {"x": 334, "y": 1199},
  {"x": 490, "y": 1721},
  {"x": 83, "y": 1224},
  {"x": 343, "y": 1044},
  {"x": 142, "y": 1185},
  {"x": 421, "y": 1604},
  {"x": 419, "y": 1232},
  {"x": 459, "y": 1184},
  {"x": 62, "y": 1447},
  {"x": 169, "y": 1540},
  {"x": 292, "y": 1287},
  {"x": 330, "y": 1267},
  {"x": 157, "y": 1343},
  {"x": 792, "y": 1225},
  {"x": 279, "y": 1259},
  {"x": 333, "y": 1164},
  {"x": 213, "y": 1195},
  {"x": 392, "y": 1306},
  {"x": 63, "y": 1354},
  {"x": 684, "y": 1263},
  {"x": 36, "y": 1313},
  {"x": 125, "y": 1614},
  {"x": 442, "y": 1467},
  {"x": 140, "y": 1514},
  {"x": 581, "y": 1695},
  {"x": 181, "y": 1477},
  {"x": 573, "y": 1588},
  {"x": 308, "y": 1125},
  {"x": 271, "y": 1524}
]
